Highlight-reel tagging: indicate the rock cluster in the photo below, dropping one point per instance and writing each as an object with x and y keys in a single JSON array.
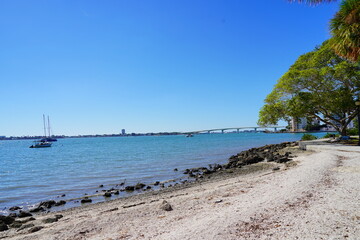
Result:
[{"x": 269, "y": 153}]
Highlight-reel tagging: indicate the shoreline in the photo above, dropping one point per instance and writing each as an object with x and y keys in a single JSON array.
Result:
[
  {"x": 270, "y": 152},
  {"x": 313, "y": 196}
]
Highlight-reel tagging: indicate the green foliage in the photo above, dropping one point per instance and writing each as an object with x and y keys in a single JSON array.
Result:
[
  {"x": 319, "y": 85},
  {"x": 345, "y": 29},
  {"x": 308, "y": 137},
  {"x": 330, "y": 135},
  {"x": 353, "y": 132}
]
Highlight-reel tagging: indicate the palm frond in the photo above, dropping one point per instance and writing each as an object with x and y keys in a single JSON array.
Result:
[{"x": 312, "y": 2}]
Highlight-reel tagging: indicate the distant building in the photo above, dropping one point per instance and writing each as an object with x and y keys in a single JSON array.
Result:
[
  {"x": 2, "y": 137},
  {"x": 123, "y": 132},
  {"x": 298, "y": 125}
]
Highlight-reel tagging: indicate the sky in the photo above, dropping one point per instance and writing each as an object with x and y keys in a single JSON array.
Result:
[{"x": 96, "y": 67}]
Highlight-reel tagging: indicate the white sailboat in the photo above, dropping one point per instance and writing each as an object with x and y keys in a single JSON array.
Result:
[{"x": 42, "y": 143}]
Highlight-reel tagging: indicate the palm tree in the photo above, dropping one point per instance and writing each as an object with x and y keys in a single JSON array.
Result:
[
  {"x": 345, "y": 29},
  {"x": 312, "y": 2}
]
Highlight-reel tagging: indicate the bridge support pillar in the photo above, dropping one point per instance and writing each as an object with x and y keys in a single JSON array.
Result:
[
  {"x": 209, "y": 132},
  {"x": 275, "y": 129},
  {"x": 255, "y": 129},
  {"x": 222, "y": 131},
  {"x": 237, "y": 130}
]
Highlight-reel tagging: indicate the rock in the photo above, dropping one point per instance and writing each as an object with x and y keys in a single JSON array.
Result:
[
  {"x": 59, "y": 203},
  {"x": 63, "y": 195},
  {"x": 86, "y": 200},
  {"x": 23, "y": 214},
  {"x": 14, "y": 208},
  {"x": 129, "y": 188},
  {"x": 15, "y": 224},
  {"x": 107, "y": 194},
  {"x": 47, "y": 204},
  {"x": 35, "y": 229},
  {"x": 139, "y": 186},
  {"x": 37, "y": 209},
  {"x": 49, "y": 220},
  {"x": 6, "y": 219},
  {"x": 26, "y": 226},
  {"x": 282, "y": 160},
  {"x": 175, "y": 170},
  {"x": 58, "y": 216},
  {"x": 156, "y": 183},
  {"x": 166, "y": 206},
  {"x": 187, "y": 171},
  {"x": 276, "y": 169},
  {"x": 116, "y": 192},
  {"x": 13, "y": 215},
  {"x": 26, "y": 220},
  {"x": 3, "y": 227},
  {"x": 100, "y": 186},
  {"x": 148, "y": 187}
]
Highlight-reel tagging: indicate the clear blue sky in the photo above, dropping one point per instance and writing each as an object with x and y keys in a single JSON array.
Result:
[{"x": 147, "y": 66}]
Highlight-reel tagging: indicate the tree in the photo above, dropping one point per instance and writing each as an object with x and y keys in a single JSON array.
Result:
[
  {"x": 319, "y": 85},
  {"x": 313, "y": 1},
  {"x": 345, "y": 28}
]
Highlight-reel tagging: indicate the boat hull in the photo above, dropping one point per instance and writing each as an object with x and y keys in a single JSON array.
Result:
[{"x": 41, "y": 145}]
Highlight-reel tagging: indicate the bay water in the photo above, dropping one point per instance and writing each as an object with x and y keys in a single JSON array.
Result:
[{"x": 73, "y": 167}]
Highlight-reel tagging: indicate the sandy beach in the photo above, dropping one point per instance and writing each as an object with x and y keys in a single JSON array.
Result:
[{"x": 315, "y": 196}]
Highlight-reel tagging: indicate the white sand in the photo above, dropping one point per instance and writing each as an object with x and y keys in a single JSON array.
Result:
[{"x": 319, "y": 198}]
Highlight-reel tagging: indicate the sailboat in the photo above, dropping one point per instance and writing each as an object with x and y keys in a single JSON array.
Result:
[
  {"x": 42, "y": 143},
  {"x": 49, "y": 138}
]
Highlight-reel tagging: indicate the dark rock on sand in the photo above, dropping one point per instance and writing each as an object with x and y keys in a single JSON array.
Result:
[
  {"x": 3, "y": 227},
  {"x": 49, "y": 220},
  {"x": 156, "y": 183},
  {"x": 47, "y": 204},
  {"x": 107, "y": 194},
  {"x": 117, "y": 192},
  {"x": 14, "y": 208},
  {"x": 6, "y": 219},
  {"x": 26, "y": 226},
  {"x": 166, "y": 206},
  {"x": 15, "y": 224},
  {"x": 23, "y": 214},
  {"x": 175, "y": 169},
  {"x": 37, "y": 209},
  {"x": 35, "y": 229},
  {"x": 276, "y": 169},
  {"x": 101, "y": 186}
]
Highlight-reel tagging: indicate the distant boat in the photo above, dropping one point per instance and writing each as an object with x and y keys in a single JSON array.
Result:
[
  {"x": 42, "y": 143},
  {"x": 189, "y": 135},
  {"x": 49, "y": 138}
]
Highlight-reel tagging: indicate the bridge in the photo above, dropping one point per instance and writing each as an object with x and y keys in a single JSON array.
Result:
[{"x": 234, "y": 128}]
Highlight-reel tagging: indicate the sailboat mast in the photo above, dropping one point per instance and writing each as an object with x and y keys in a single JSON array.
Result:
[
  {"x": 49, "y": 126},
  {"x": 44, "y": 125}
]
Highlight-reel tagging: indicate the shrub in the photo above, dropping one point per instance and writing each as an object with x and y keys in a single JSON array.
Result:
[
  {"x": 352, "y": 132},
  {"x": 307, "y": 137},
  {"x": 330, "y": 135}
]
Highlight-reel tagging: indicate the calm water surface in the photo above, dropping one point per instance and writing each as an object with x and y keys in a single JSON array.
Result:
[{"x": 75, "y": 166}]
